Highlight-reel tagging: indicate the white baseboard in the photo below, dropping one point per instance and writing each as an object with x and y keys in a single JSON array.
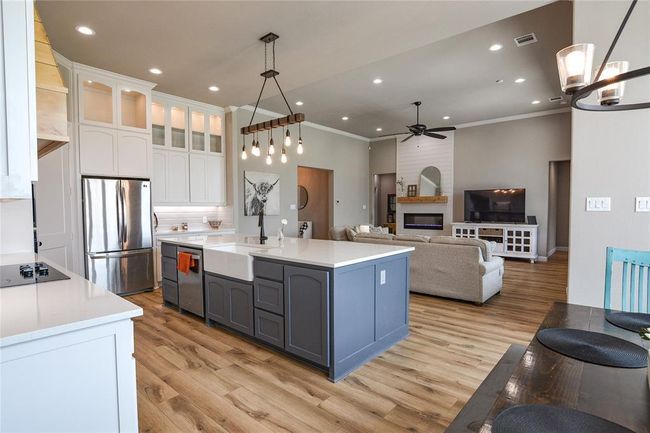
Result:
[
  {"x": 542, "y": 258},
  {"x": 563, "y": 249},
  {"x": 551, "y": 252}
]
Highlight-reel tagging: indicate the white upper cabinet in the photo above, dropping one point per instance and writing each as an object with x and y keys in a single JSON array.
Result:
[
  {"x": 206, "y": 130},
  {"x": 169, "y": 124},
  {"x": 96, "y": 100},
  {"x": 98, "y": 150},
  {"x": 188, "y": 152},
  {"x": 115, "y": 118},
  {"x": 133, "y": 113},
  {"x": 18, "y": 151}
]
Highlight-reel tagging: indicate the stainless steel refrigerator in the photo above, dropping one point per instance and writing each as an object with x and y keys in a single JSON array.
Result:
[{"x": 117, "y": 234}]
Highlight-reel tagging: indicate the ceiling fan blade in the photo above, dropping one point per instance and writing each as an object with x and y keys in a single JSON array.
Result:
[
  {"x": 392, "y": 135},
  {"x": 442, "y": 128},
  {"x": 407, "y": 138},
  {"x": 432, "y": 135}
]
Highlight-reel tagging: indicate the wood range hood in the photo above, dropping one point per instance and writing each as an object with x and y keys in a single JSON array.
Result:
[{"x": 51, "y": 95}]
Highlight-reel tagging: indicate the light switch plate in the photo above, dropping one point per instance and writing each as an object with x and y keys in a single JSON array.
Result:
[
  {"x": 292, "y": 207},
  {"x": 364, "y": 207},
  {"x": 642, "y": 204},
  {"x": 599, "y": 204},
  {"x": 382, "y": 277}
]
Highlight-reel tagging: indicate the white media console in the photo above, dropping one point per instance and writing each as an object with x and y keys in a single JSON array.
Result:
[{"x": 512, "y": 240}]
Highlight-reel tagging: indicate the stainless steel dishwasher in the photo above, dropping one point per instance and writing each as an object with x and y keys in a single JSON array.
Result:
[{"x": 190, "y": 285}]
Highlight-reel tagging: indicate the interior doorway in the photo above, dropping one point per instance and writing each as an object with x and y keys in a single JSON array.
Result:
[
  {"x": 384, "y": 200},
  {"x": 559, "y": 189},
  {"x": 315, "y": 194}
]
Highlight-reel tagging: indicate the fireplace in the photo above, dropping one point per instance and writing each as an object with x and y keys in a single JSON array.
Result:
[{"x": 423, "y": 221}]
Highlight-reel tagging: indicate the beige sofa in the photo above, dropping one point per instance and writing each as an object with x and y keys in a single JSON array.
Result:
[{"x": 442, "y": 265}]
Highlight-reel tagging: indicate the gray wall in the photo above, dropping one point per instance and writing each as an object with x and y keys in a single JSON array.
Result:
[
  {"x": 610, "y": 153},
  {"x": 382, "y": 160},
  {"x": 346, "y": 156},
  {"x": 512, "y": 154}
]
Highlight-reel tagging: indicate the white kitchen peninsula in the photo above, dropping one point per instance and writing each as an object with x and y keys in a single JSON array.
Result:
[{"x": 66, "y": 356}]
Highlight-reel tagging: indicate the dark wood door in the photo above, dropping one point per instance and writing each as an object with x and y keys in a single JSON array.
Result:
[{"x": 306, "y": 309}]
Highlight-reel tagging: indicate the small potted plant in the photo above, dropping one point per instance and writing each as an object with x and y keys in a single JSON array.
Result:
[{"x": 645, "y": 334}]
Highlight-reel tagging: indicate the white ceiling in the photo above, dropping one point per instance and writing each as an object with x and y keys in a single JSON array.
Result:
[{"x": 328, "y": 53}]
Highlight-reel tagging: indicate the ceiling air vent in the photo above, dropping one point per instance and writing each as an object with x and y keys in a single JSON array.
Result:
[
  {"x": 556, "y": 99},
  {"x": 528, "y": 39}
]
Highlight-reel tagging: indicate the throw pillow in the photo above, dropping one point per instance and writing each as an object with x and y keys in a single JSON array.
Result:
[
  {"x": 338, "y": 234},
  {"x": 381, "y": 230},
  {"x": 364, "y": 228},
  {"x": 350, "y": 233}
]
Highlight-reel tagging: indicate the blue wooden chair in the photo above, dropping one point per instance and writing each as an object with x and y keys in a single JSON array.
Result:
[{"x": 635, "y": 279}]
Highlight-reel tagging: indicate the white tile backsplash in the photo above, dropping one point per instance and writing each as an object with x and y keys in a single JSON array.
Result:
[{"x": 169, "y": 216}]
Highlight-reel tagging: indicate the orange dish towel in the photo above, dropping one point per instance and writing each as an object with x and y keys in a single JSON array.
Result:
[{"x": 184, "y": 262}]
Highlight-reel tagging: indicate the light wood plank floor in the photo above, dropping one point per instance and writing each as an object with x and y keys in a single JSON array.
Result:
[{"x": 195, "y": 378}]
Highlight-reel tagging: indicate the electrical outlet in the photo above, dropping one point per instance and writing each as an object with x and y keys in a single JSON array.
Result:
[
  {"x": 292, "y": 207},
  {"x": 364, "y": 207},
  {"x": 599, "y": 204},
  {"x": 642, "y": 204},
  {"x": 205, "y": 220},
  {"x": 382, "y": 277}
]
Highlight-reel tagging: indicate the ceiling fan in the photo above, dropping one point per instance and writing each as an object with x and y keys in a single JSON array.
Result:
[{"x": 419, "y": 129}]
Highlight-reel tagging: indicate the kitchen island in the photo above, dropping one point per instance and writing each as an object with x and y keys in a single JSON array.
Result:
[
  {"x": 335, "y": 305},
  {"x": 66, "y": 355}
]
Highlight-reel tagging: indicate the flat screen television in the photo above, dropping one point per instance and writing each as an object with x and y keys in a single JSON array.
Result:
[{"x": 505, "y": 205}]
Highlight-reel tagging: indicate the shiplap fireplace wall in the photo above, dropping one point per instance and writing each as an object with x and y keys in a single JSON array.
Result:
[{"x": 414, "y": 155}]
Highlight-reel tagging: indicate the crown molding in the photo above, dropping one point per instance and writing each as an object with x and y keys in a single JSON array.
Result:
[
  {"x": 309, "y": 124},
  {"x": 515, "y": 117}
]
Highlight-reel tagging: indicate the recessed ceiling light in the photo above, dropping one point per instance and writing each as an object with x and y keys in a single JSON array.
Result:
[
  {"x": 213, "y": 88},
  {"x": 377, "y": 81},
  {"x": 299, "y": 103},
  {"x": 446, "y": 117},
  {"x": 85, "y": 30},
  {"x": 344, "y": 118},
  {"x": 535, "y": 102},
  {"x": 495, "y": 47},
  {"x": 520, "y": 80},
  {"x": 155, "y": 71},
  {"x": 379, "y": 129},
  {"x": 499, "y": 81}
]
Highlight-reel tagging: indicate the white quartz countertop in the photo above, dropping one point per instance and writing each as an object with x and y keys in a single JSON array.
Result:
[
  {"x": 41, "y": 310},
  {"x": 330, "y": 254}
]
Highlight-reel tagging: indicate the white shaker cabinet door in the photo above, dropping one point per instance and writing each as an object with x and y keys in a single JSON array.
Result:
[
  {"x": 216, "y": 180},
  {"x": 18, "y": 163},
  {"x": 177, "y": 177},
  {"x": 133, "y": 154},
  {"x": 98, "y": 150},
  {"x": 198, "y": 173},
  {"x": 158, "y": 178}
]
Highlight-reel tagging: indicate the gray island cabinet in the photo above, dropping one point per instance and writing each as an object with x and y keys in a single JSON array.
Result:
[{"x": 335, "y": 318}]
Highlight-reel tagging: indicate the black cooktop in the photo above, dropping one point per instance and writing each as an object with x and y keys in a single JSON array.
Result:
[{"x": 29, "y": 273}]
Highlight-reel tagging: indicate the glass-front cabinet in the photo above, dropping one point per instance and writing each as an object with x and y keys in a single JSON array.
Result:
[
  {"x": 198, "y": 131},
  {"x": 168, "y": 124},
  {"x": 133, "y": 103},
  {"x": 96, "y": 100},
  {"x": 207, "y": 127},
  {"x": 158, "y": 133},
  {"x": 178, "y": 127}
]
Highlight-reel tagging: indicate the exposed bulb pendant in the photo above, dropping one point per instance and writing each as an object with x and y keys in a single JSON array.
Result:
[
  {"x": 256, "y": 146},
  {"x": 271, "y": 147},
  {"x": 244, "y": 155},
  {"x": 269, "y": 160},
  {"x": 287, "y": 138},
  {"x": 283, "y": 158},
  {"x": 299, "y": 149}
]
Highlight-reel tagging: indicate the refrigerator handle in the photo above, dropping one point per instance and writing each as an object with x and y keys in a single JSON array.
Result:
[
  {"x": 123, "y": 223},
  {"x": 120, "y": 213}
]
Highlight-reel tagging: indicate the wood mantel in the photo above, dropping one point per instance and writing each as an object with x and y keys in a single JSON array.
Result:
[{"x": 423, "y": 199}]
